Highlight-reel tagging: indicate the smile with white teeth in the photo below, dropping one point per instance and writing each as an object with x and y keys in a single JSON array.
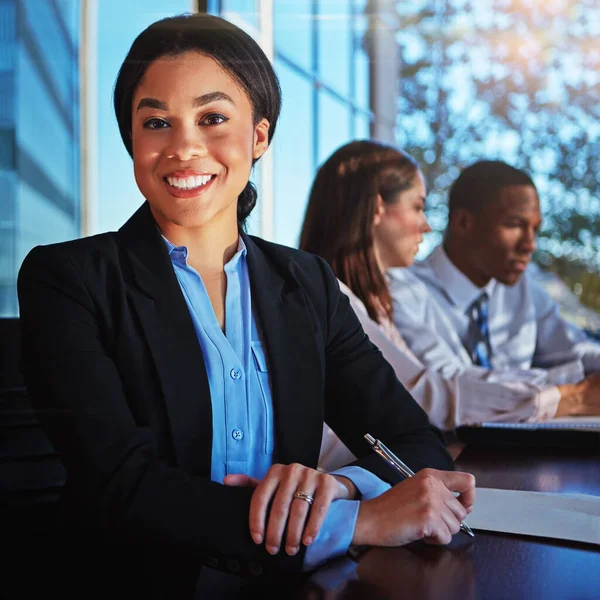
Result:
[{"x": 189, "y": 183}]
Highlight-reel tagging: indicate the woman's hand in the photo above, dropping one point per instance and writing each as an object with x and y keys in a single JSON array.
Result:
[
  {"x": 423, "y": 506},
  {"x": 277, "y": 489}
]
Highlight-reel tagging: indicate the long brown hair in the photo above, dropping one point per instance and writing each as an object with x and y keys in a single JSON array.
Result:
[{"x": 338, "y": 224}]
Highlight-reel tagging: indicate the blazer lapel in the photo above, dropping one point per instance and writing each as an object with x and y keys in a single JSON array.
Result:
[
  {"x": 294, "y": 356},
  {"x": 170, "y": 333}
]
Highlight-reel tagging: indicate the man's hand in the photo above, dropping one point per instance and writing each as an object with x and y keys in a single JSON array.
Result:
[
  {"x": 580, "y": 399},
  {"x": 277, "y": 489}
]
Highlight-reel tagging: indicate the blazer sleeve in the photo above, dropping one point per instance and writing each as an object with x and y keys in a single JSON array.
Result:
[
  {"x": 112, "y": 463},
  {"x": 363, "y": 395}
]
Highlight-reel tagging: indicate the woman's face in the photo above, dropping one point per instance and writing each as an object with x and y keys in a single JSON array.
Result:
[
  {"x": 399, "y": 226},
  {"x": 194, "y": 140}
]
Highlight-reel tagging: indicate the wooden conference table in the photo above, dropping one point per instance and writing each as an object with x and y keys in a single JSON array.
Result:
[{"x": 490, "y": 566}]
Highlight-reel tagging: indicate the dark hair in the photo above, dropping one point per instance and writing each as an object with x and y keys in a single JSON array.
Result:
[
  {"x": 338, "y": 224},
  {"x": 222, "y": 41},
  {"x": 482, "y": 182}
]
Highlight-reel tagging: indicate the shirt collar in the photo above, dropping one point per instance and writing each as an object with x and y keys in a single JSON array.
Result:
[
  {"x": 179, "y": 254},
  {"x": 457, "y": 286}
]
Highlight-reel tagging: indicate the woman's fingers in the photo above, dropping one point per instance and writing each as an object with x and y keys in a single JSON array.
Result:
[
  {"x": 324, "y": 496},
  {"x": 300, "y": 509},
  {"x": 454, "y": 505},
  {"x": 442, "y": 532},
  {"x": 307, "y": 518},
  {"x": 280, "y": 508},
  {"x": 259, "y": 506},
  {"x": 273, "y": 507},
  {"x": 240, "y": 480},
  {"x": 463, "y": 484}
]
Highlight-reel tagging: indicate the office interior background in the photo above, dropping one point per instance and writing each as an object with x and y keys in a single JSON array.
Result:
[{"x": 451, "y": 81}]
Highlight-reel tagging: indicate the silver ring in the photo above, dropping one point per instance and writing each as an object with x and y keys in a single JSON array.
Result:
[{"x": 304, "y": 496}]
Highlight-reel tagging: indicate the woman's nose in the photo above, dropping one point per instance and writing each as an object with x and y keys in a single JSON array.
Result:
[{"x": 185, "y": 145}]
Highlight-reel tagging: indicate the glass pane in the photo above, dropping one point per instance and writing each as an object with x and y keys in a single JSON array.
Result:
[
  {"x": 335, "y": 44},
  {"x": 293, "y": 164},
  {"x": 361, "y": 64},
  {"x": 42, "y": 129},
  {"x": 248, "y": 10},
  {"x": 334, "y": 124},
  {"x": 39, "y": 116},
  {"x": 362, "y": 126},
  {"x": 49, "y": 43},
  {"x": 293, "y": 31},
  {"x": 8, "y": 233}
]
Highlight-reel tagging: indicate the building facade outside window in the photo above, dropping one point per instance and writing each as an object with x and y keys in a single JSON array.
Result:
[{"x": 39, "y": 132}]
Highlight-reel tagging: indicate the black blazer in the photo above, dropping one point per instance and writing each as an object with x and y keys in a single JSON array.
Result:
[{"x": 113, "y": 366}]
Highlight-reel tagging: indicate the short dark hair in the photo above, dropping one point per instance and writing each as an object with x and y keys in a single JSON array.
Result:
[
  {"x": 338, "y": 225},
  {"x": 482, "y": 182},
  {"x": 231, "y": 47}
]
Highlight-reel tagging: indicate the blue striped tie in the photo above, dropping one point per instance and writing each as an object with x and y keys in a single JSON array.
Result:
[{"x": 482, "y": 352}]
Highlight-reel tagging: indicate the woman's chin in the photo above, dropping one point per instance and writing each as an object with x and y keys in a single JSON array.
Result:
[
  {"x": 402, "y": 262},
  {"x": 191, "y": 216}
]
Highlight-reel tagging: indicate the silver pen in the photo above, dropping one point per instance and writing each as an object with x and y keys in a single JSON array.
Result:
[{"x": 396, "y": 464}]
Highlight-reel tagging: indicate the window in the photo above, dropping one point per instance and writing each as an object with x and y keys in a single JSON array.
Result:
[
  {"x": 246, "y": 10},
  {"x": 334, "y": 22},
  {"x": 293, "y": 32},
  {"x": 335, "y": 118},
  {"x": 293, "y": 154},
  {"x": 324, "y": 72}
]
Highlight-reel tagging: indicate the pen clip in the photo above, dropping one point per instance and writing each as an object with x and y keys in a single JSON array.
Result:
[
  {"x": 389, "y": 458},
  {"x": 387, "y": 455}
]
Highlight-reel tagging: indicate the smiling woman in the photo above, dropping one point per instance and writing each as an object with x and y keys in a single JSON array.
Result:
[
  {"x": 194, "y": 141},
  {"x": 183, "y": 369}
]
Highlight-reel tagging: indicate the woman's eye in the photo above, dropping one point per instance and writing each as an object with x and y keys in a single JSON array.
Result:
[
  {"x": 155, "y": 124},
  {"x": 214, "y": 119}
]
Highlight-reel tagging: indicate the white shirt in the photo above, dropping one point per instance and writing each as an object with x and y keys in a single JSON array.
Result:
[{"x": 470, "y": 395}]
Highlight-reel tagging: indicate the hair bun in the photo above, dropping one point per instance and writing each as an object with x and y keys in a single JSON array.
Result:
[{"x": 246, "y": 201}]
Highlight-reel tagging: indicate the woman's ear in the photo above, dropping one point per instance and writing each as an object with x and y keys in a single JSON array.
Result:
[
  {"x": 261, "y": 138},
  {"x": 379, "y": 210}
]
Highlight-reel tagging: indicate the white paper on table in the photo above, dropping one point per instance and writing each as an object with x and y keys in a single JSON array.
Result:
[{"x": 564, "y": 516}]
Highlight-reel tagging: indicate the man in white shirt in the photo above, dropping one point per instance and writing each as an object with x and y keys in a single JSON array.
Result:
[{"x": 472, "y": 301}]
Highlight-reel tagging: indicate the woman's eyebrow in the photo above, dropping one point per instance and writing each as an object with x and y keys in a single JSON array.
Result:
[
  {"x": 199, "y": 101},
  {"x": 151, "y": 103},
  {"x": 212, "y": 97}
]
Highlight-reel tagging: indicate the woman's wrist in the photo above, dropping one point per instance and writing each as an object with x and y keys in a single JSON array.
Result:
[
  {"x": 353, "y": 493},
  {"x": 363, "y": 529}
]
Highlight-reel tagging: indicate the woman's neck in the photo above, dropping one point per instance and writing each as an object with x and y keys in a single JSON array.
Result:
[{"x": 210, "y": 246}]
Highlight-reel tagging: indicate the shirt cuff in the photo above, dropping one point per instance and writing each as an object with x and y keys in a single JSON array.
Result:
[
  {"x": 335, "y": 534},
  {"x": 337, "y": 530},
  {"x": 546, "y": 404},
  {"x": 367, "y": 483}
]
